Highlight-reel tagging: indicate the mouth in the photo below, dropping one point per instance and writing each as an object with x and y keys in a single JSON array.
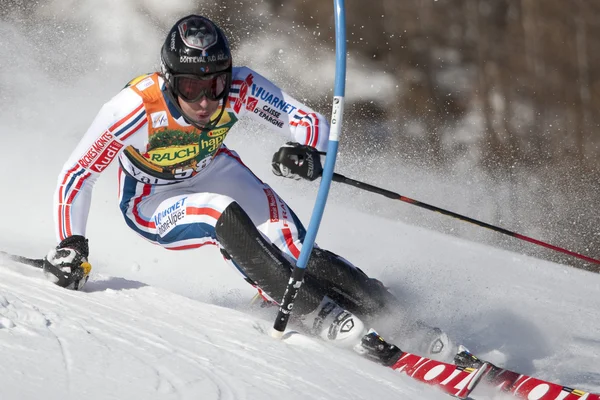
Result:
[{"x": 202, "y": 117}]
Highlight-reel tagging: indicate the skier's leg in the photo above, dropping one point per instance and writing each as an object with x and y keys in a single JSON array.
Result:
[
  {"x": 349, "y": 286},
  {"x": 279, "y": 225},
  {"x": 259, "y": 260},
  {"x": 369, "y": 299},
  {"x": 281, "y": 236},
  {"x": 184, "y": 216}
]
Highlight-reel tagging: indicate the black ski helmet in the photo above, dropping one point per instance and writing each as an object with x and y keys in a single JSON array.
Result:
[{"x": 196, "y": 46}]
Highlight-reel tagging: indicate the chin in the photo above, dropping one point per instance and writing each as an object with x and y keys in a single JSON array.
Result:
[{"x": 203, "y": 121}]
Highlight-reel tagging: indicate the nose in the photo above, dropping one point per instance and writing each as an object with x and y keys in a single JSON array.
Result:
[{"x": 203, "y": 102}]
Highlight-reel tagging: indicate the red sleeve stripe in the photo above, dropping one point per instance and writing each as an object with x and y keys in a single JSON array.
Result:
[
  {"x": 61, "y": 227},
  {"x": 126, "y": 118},
  {"x": 308, "y": 127},
  {"x": 311, "y": 123},
  {"x": 134, "y": 130},
  {"x": 66, "y": 196},
  {"x": 315, "y": 138}
]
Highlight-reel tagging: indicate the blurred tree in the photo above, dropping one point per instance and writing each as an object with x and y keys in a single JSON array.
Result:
[
  {"x": 523, "y": 75},
  {"x": 512, "y": 86}
]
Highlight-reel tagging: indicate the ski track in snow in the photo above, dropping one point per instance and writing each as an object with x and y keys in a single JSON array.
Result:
[
  {"x": 148, "y": 343},
  {"x": 120, "y": 340},
  {"x": 122, "y": 337}
]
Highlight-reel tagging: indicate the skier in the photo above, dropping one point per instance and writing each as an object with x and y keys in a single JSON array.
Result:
[{"x": 182, "y": 188}]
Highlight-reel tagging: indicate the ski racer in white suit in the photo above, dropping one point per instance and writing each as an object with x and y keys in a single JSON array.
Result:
[{"x": 182, "y": 188}]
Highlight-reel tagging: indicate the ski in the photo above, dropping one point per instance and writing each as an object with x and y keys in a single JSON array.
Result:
[
  {"x": 460, "y": 381},
  {"x": 527, "y": 387},
  {"x": 452, "y": 379},
  {"x": 33, "y": 262}
]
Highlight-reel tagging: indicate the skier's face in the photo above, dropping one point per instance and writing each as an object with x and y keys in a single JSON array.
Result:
[
  {"x": 199, "y": 111},
  {"x": 199, "y": 96}
]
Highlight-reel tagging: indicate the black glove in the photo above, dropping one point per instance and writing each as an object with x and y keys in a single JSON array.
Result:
[
  {"x": 67, "y": 264},
  {"x": 295, "y": 161}
]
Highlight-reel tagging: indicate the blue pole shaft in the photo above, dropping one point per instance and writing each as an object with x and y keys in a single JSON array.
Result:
[{"x": 339, "y": 92}]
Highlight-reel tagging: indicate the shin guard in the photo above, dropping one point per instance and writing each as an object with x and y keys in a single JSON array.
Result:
[{"x": 260, "y": 260}]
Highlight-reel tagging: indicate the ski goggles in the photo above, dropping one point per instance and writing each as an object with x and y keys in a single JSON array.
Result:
[{"x": 192, "y": 88}]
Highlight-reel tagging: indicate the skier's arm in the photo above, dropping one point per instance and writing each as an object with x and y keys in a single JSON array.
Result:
[
  {"x": 117, "y": 125},
  {"x": 256, "y": 96}
]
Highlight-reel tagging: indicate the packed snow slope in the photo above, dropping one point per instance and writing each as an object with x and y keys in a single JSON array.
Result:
[
  {"x": 122, "y": 339},
  {"x": 177, "y": 325}
]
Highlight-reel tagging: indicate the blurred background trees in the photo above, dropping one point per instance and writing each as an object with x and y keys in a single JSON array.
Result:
[
  {"x": 530, "y": 68},
  {"x": 511, "y": 85},
  {"x": 488, "y": 108}
]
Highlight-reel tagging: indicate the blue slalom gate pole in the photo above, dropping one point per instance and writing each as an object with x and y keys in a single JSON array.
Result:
[{"x": 337, "y": 113}]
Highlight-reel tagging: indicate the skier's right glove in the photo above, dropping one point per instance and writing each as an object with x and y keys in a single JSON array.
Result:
[
  {"x": 295, "y": 161},
  {"x": 67, "y": 264}
]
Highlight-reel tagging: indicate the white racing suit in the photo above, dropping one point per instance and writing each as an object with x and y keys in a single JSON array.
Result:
[{"x": 174, "y": 180}]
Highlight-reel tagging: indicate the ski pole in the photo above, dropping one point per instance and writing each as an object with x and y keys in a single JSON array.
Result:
[
  {"x": 374, "y": 189},
  {"x": 339, "y": 91}
]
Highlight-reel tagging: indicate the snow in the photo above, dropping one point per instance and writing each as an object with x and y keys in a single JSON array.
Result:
[
  {"x": 154, "y": 324},
  {"x": 122, "y": 339},
  {"x": 158, "y": 324}
]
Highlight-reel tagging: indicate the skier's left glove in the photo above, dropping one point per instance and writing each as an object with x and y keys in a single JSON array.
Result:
[
  {"x": 67, "y": 264},
  {"x": 295, "y": 161}
]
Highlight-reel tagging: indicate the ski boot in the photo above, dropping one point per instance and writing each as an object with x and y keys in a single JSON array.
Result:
[
  {"x": 335, "y": 324},
  {"x": 375, "y": 348},
  {"x": 437, "y": 345},
  {"x": 464, "y": 358}
]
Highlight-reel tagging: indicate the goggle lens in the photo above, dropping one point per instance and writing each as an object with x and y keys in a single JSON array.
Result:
[{"x": 193, "y": 88}]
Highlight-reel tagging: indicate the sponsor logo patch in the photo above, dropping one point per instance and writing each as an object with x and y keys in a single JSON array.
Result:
[
  {"x": 273, "y": 211},
  {"x": 159, "y": 119},
  {"x": 172, "y": 155},
  {"x": 107, "y": 156},
  {"x": 202, "y": 60},
  {"x": 251, "y": 103},
  {"x": 101, "y": 153},
  {"x": 145, "y": 84},
  {"x": 218, "y": 132},
  {"x": 269, "y": 98},
  {"x": 168, "y": 218},
  {"x": 240, "y": 101},
  {"x": 348, "y": 326},
  {"x": 270, "y": 115}
]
